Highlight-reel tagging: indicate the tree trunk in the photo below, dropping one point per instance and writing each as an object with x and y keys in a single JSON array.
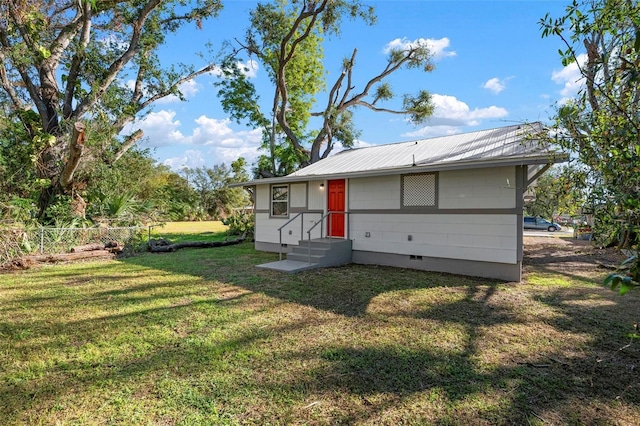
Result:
[
  {"x": 61, "y": 180},
  {"x": 76, "y": 146},
  {"x": 162, "y": 246},
  {"x": 88, "y": 247}
]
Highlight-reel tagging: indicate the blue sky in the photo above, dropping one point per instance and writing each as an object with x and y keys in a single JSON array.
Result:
[{"x": 492, "y": 69}]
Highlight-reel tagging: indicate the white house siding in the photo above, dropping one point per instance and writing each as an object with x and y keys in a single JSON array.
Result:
[
  {"x": 297, "y": 195},
  {"x": 300, "y": 195},
  {"x": 490, "y": 188},
  {"x": 317, "y": 195},
  {"x": 478, "y": 235},
  {"x": 374, "y": 193},
  {"x": 266, "y": 230},
  {"x": 262, "y": 197},
  {"x": 481, "y": 237}
]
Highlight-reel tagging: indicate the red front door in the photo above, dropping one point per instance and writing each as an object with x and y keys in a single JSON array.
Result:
[{"x": 336, "y": 203}]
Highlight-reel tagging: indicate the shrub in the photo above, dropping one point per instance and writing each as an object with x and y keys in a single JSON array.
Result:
[{"x": 240, "y": 223}]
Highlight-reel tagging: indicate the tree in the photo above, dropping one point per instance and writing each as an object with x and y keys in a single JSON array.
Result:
[
  {"x": 148, "y": 190},
  {"x": 286, "y": 38},
  {"x": 175, "y": 197},
  {"x": 556, "y": 193},
  {"x": 601, "y": 125},
  {"x": 212, "y": 187},
  {"x": 17, "y": 175},
  {"x": 68, "y": 60}
]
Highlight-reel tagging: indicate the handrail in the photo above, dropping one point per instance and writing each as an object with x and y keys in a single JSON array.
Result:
[
  {"x": 288, "y": 222},
  {"x": 316, "y": 224},
  {"x": 321, "y": 223}
]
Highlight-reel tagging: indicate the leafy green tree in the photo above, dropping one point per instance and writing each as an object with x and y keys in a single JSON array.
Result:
[
  {"x": 130, "y": 190},
  {"x": 135, "y": 186},
  {"x": 286, "y": 39},
  {"x": 212, "y": 187},
  {"x": 558, "y": 192},
  {"x": 174, "y": 197},
  {"x": 67, "y": 60},
  {"x": 601, "y": 126},
  {"x": 18, "y": 156}
]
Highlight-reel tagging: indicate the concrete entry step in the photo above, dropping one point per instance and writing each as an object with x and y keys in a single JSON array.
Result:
[
  {"x": 311, "y": 254},
  {"x": 290, "y": 266}
]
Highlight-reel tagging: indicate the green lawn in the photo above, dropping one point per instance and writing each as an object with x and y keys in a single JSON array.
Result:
[
  {"x": 201, "y": 336},
  {"x": 190, "y": 231},
  {"x": 186, "y": 228}
]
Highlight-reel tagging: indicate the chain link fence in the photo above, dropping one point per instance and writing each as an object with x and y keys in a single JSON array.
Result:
[{"x": 16, "y": 242}]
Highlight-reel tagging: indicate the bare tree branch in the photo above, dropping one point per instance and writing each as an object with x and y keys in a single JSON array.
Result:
[
  {"x": 119, "y": 63},
  {"x": 76, "y": 147},
  {"x": 130, "y": 141},
  {"x": 335, "y": 107},
  {"x": 8, "y": 85},
  {"x": 74, "y": 69},
  {"x": 284, "y": 57},
  {"x": 31, "y": 87}
]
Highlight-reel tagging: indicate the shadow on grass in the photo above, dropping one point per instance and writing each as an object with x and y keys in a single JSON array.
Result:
[
  {"x": 349, "y": 291},
  {"x": 212, "y": 338},
  {"x": 201, "y": 236}
]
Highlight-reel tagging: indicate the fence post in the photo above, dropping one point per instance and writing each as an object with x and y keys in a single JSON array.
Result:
[{"x": 41, "y": 240}]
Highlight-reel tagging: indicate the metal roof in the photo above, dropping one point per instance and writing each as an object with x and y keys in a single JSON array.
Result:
[{"x": 511, "y": 145}]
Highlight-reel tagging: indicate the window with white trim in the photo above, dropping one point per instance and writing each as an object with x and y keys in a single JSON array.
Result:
[
  {"x": 419, "y": 190},
  {"x": 280, "y": 200}
]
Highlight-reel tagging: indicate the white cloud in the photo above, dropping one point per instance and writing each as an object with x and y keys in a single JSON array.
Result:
[
  {"x": 210, "y": 130},
  {"x": 249, "y": 69},
  {"x": 225, "y": 147},
  {"x": 191, "y": 159},
  {"x": 438, "y": 48},
  {"x": 450, "y": 108},
  {"x": 160, "y": 129},
  {"x": 194, "y": 158},
  {"x": 227, "y": 155},
  {"x": 223, "y": 143},
  {"x": 450, "y": 114},
  {"x": 570, "y": 78},
  {"x": 495, "y": 84},
  {"x": 189, "y": 89}
]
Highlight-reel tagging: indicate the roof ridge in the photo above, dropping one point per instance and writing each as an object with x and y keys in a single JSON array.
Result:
[{"x": 415, "y": 141}]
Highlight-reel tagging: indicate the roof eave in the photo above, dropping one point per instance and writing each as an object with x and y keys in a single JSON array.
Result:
[{"x": 457, "y": 165}]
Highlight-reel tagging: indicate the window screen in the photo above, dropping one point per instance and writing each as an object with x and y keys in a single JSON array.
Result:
[{"x": 279, "y": 200}]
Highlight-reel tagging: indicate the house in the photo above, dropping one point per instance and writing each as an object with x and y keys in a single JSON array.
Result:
[{"x": 449, "y": 204}]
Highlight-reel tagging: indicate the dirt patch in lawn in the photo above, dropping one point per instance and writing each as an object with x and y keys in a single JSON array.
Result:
[{"x": 569, "y": 255}]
